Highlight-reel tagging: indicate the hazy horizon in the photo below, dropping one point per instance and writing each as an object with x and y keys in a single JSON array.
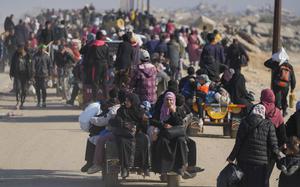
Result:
[{"x": 8, "y": 6}]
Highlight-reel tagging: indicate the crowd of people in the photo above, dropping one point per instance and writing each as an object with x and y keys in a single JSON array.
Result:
[{"x": 143, "y": 94}]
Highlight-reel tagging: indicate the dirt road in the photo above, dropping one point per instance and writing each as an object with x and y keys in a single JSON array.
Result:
[{"x": 45, "y": 148}]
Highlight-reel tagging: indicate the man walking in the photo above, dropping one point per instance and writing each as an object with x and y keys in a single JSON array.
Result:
[{"x": 41, "y": 70}]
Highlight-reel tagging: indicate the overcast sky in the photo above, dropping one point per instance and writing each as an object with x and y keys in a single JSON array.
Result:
[{"x": 18, "y": 7}]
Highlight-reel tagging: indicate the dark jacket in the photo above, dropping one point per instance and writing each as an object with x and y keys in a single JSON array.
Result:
[
  {"x": 174, "y": 53},
  {"x": 237, "y": 89},
  {"x": 161, "y": 47},
  {"x": 124, "y": 56},
  {"x": 20, "y": 66},
  {"x": 255, "y": 136},
  {"x": 216, "y": 51},
  {"x": 189, "y": 83},
  {"x": 8, "y": 24},
  {"x": 276, "y": 72},
  {"x": 46, "y": 36},
  {"x": 234, "y": 54},
  {"x": 63, "y": 59},
  {"x": 293, "y": 126},
  {"x": 22, "y": 34},
  {"x": 41, "y": 65},
  {"x": 11, "y": 44},
  {"x": 60, "y": 32},
  {"x": 96, "y": 61},
  {"x": 210, "y": 67}
]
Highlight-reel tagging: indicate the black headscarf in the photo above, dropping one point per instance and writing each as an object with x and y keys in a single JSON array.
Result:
[{"x": 135, "y": 112}]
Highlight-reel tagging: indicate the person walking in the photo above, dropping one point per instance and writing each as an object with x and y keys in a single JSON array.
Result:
[
  {"x": 236, "y": 56},
  {"x": 144, "y": 80},
  {"x": 96, "y": 64},
  {"x": 41, "y": 71},
  {"x": 283, "y": 78},
  {"x": 124, "y": 61},
  {"x": 256, "y": 136},
  {"x": 20, "y": 71},
  {"x": 174, "y": 56}
]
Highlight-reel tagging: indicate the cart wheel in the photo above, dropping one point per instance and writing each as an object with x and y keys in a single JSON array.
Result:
[
  {"x": 173, "y": 180},
  {"x": 111, "y": 180}
]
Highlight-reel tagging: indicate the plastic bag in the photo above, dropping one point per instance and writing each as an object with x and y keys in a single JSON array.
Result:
[
  {"x": 281, "y": 56},
  {"x": 230, "y": 176},
  {"x": 50, "y": 83},
  {"x": 292, "y": 99},
  {"x": 31, "y": 90},
  {"x": 90, "y": 111}
]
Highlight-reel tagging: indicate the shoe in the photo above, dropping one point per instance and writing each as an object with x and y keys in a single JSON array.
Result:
[
  {"x": 94, "y": 169},
  {"x": 39, "y": 105},
  {"x": 21, "y": 107},
  {"x": 285, "y": 113},
  {"x": 163, "y": 178},
  {"x": 17, "y": 106},
  {"x": 188, "y": 175},
  {"x": 195, "y": 169},
  {"x": 86, "y": 167},
  {"x": 69, "y": 102},
  {"x": 44, "y": 105},
  {"x": 124, "y": 173}
]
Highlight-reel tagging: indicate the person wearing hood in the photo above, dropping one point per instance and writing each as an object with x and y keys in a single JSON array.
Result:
[
  {"x": 124, "y": 60},
  {"x": 238, "y": 92},
  {"x": 144, "y": 80},
  {"x": 96, "y": 62},
  {"x": 256, "y": 138},
  {"x": 172, "y": 87},
  {"x": 274, "y": 115},
  {"x": 166, "y": 150},
  {"x": 128, "y": 119},
  {"x": 283, "y": 78}
]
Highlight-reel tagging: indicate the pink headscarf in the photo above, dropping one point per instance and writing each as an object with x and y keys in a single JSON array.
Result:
[
  {"x": 165, "y": 111},
  {"x": 272, "y": 112}
]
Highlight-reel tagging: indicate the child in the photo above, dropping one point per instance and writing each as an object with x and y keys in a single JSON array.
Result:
[{"x": 290, "y": 164}]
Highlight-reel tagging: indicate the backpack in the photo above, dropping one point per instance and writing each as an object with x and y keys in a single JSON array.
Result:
[
  {"x": 187, "y": 89},
  {"x": 284, "y": 76}
]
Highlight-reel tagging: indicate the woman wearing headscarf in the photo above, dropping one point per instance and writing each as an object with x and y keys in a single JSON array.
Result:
[
  {"x": 275, "y": 116},
  {"x": 292, "y": 129},
  {"x": 128, "y": 121},
  {"x": 170, "y": 154},
  {"x": 255, "y": 139}
]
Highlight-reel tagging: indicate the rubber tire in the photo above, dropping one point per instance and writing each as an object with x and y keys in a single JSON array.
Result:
[{"x": 111, "y": 180}]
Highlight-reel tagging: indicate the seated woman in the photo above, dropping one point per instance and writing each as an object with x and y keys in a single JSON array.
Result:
[
  {"x": 169, "y": 154},
  {"x": 127, "y": 126}
]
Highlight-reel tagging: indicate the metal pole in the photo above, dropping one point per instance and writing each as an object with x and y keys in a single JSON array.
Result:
[
  {"x": 276, "y": 30},
  {"x": 277, "y": 26},
  {"x": 148, "y": 6}
]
